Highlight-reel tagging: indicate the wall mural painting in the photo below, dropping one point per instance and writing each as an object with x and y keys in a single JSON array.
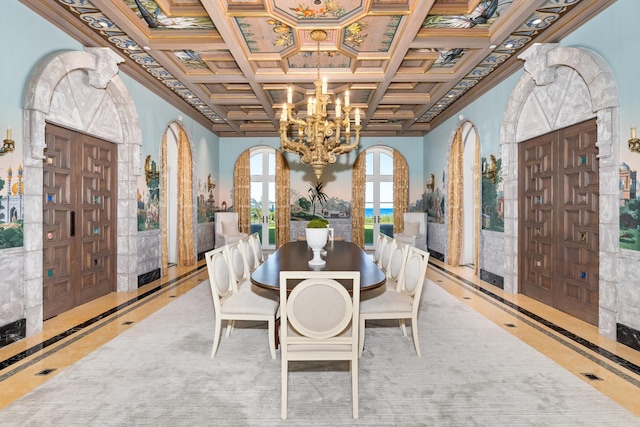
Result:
[
  {"x": 492, "y": 194},
  {"x": 311, "y": 200},
  {"x": 11, "y": 209},
  {"x": 149, "y": 197},
  {"x": 207, "y": 205},
  {"x": 629, "y": 205},
  {"x": 432, "y": 200}
]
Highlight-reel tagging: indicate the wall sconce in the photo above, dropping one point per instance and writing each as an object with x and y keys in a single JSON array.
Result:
[
  {"x": 211, "y": 183},
  {"x": 490, "y": 168},
  {"x": 9, "y": 144},
  {"x": 431, "y": 184},
  {"x": 150, "y": 171},
  {"x": 634, "y": 142}
]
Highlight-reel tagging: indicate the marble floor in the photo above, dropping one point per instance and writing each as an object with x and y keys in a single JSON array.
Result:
[{"x": 610, "y": 367}]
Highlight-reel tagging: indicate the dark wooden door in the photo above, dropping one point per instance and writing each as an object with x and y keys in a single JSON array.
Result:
[
  {"x": 559, "y": 220},
  {"x": 79, "y": 214}
]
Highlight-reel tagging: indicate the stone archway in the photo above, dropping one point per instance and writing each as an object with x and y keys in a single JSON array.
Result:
[
  {"x": 563, "y": 86},
  {"x": 80, "y": 91}
]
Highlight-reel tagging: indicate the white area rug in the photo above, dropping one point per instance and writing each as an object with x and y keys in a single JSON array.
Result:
[{"x": 159, "y": 373}]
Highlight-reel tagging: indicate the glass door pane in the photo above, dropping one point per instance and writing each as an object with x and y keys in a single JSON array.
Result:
[
  {"x": 386, "y": 208},
  {"x": 263, "y": 196},
  {"x": 378, "y": 195}
]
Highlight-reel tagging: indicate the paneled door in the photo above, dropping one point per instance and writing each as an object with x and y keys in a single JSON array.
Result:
[
  {"x": 559, "y": 220},
  {"x": 79, "y": 219}
]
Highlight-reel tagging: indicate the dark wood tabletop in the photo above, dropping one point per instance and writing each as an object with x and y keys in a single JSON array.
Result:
[{"x": 341, "y": 256}]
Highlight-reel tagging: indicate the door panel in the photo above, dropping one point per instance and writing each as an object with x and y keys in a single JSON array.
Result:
[
  {"x": 536, "y": 218},
  {"x": 58, "y": 258},
  {"x": 559, "y": 220},
  {"x": 580, "y": 245},
  {"x": 79, "y": 214},
  {"x": 98, "y": 215}
]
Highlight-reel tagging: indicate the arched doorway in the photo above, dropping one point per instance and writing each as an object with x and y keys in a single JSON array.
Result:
[
  {"x": 551, "y": 70},
  {"x": 178, "y": 209},
  {"x": 49, "y": 97},
  {"x": 471, "y": 197},
  {"x": 378, "y": 195}
]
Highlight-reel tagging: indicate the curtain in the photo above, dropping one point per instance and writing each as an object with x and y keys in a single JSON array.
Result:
[
  {"x": 400, "y": 190},
  {"x": 455, "y": 200},
  {"x": 477, "y": 191},
  {"x": 242, "y": 192},
  {"x": 163, "y": 207},
  {"x": 283, "y": 207},
  {"x": 186, "y": 241},
  {"x": 357, "y": 199}
]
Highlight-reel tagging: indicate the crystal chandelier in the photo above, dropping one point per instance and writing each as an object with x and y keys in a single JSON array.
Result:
[{"x": 319, "y": 140}]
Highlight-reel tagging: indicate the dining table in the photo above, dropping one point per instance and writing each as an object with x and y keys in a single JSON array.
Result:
[{"x": 340, "y": 256}]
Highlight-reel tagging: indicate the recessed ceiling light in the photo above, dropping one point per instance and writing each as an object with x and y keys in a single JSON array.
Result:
[
  {"x": 146, "y": 47},
  {"x": 508, "y": 45},
  {"x": 317, "y": 2},
  {"x": 536, "y": 21},
  {"x": 493, "y": 46}
]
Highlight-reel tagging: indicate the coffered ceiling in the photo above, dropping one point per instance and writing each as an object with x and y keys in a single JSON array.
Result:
[{"x": 407, "y": 64}]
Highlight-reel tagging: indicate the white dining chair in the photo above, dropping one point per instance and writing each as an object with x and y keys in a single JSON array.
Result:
[
  {"x": 231, "y": 305},
  {"x": 401, "y": 303},
  {"x": 414, "y": 232},
  {"x": 248, "y": 252},
  {"x": 378, "y": 248},
  {"x": 319, "y": 321},
  {"x": 396, "y": 266},
  {"x": 387, "y": 250},
  {"x": 226, "y": 228},
  {"x": 234, "y": 253},
  {"x": 256, "y": 244}
]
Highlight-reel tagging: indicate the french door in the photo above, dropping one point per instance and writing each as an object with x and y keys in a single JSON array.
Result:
[
  {"x": 263, "y": 194},
  {"x": 559, "y": 220},
  {"x": 378, "y": 202},
  {"x": 79, "y": 219}
]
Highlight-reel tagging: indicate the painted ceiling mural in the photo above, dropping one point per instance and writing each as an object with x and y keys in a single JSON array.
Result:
[{"x": 404, "y": 62}]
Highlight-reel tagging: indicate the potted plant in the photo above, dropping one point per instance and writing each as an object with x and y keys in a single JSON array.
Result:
[{"x": 317, "y": 232}]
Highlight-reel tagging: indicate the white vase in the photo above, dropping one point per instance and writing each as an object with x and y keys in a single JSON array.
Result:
[{"x": 316, "y": 239}]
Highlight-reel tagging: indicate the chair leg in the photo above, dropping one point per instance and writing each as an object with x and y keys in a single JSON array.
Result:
[
  {"x": 272, "y": 338},
  {"x": 361, "y": 337},
  {"x": 230, "y": 324},
  {"x": 216, "y": 336},
  {"x": 285, "y": 374},
  {"x": 414, "y": 332},
  {"x": 403, "y": 327},
  {"x": 354, "y": 386}
]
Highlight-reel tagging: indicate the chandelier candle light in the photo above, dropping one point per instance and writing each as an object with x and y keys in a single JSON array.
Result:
[{"x": 318, "y": 139}]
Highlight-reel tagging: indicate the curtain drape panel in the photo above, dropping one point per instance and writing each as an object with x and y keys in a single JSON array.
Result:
[
  {"x": 454, "y": 196},
  {"x": 357, "y": 200},
  {"x": 477, "y": 207},
  {"x": 400, "y": 191},
  {"x": 186, "y": 241},
  {"x": 283, "y": 207},
  {"x": 163, "y": 206},
  {"x": 242, "y": 192}
]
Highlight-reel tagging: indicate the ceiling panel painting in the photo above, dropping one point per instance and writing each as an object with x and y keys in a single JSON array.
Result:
[
  {"x": 152, "y": 14},
  {"x": 406, "y": 63}
]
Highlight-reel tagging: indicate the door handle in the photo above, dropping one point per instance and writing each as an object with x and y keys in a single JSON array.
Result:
[{"x": 72, "y": 225}]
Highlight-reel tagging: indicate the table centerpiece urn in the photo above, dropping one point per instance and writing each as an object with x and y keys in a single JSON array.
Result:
[{"x": 317, "y": 233}]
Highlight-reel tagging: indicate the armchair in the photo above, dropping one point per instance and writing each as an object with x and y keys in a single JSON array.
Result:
[
  {"x": 415, "y": 230},
  {"x": 227, "y": 228}
]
